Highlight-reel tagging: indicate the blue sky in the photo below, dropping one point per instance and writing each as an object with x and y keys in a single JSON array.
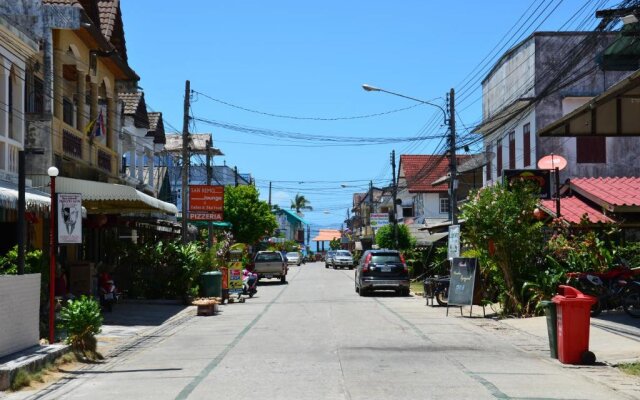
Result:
[{"x": 308, "y": 60}]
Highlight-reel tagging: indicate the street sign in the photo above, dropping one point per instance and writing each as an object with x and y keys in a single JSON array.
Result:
[
  {"x": 379, "y": 219},
  {"x": 454, "y": 242},
  {"x": 462, "y": 281},
  {"x": 206, "y": 198},
  {"x": 206, "y": 216}
]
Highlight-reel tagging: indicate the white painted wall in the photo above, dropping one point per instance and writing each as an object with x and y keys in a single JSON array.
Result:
[{"x": 19, "y": 312}]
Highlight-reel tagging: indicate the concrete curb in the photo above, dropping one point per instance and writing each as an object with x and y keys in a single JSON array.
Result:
[{"x": 31, "y": 359}]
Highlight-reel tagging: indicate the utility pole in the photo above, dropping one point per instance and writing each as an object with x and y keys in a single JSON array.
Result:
[
  {"x": 209, "y": 224},
  {"x": 185, "y": 160},
  {"x": 395, "y": 194},
  {"x": 453, "y": 164},
  {"x": 235, "y": 173},
  {"x": 269, "y": 195},
  {"x": 373, "y": 233},
  {"x": 21, "y": 211}
]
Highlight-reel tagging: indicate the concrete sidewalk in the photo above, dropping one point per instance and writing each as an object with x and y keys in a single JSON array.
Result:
[{"x": 614, "y": 337}]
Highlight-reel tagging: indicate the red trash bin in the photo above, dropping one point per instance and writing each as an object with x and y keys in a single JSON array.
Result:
[{"x": 573, "y": 309}]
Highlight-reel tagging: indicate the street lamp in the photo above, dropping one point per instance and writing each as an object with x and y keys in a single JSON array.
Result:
[
  {"x": 449, "y": 119},
  {"x": 52, "y": 172}
]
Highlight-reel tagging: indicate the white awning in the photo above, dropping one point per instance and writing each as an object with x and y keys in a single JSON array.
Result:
[
  {"x": 34, "y": 199},
  {"x": 111, "y": 197}
]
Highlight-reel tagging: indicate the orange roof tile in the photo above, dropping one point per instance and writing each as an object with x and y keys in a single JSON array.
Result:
[
  {"x": 572, "y": 209},
  {"x": 623, "y": 191},
  {"x": 420, "y": 171}
]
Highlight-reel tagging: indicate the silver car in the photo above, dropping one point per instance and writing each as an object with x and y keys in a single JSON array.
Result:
[
  {"x": 294, "y": 258},
  {"x": 342, "y": 259}
]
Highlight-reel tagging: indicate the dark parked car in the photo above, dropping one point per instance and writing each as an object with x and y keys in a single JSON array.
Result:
[{"x": 382, "y": 270}]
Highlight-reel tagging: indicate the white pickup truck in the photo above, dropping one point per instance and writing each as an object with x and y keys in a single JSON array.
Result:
[{"x": 270, "y": 264}]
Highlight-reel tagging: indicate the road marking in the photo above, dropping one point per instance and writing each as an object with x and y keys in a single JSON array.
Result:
[
  {"x": 216, "y": 361},
  {"x": 491, "y": 388}
]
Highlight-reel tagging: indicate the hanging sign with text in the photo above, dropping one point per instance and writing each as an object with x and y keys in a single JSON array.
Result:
[
  {"x": 69, "y": 218},
  {"x": 454, "y": 242},
  {"x": 206, "y": 202}
]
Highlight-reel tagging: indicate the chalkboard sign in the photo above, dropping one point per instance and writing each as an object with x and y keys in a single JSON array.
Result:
[{"x": 463, "y": 279}]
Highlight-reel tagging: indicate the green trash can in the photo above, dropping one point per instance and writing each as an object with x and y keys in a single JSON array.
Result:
[
  {"x": 552, "y": 326},
  {"x": 211, "y": 284}
]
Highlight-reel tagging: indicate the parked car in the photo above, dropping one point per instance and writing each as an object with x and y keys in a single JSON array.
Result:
[
  {"x": 270, "y": 264},
  {"x": 382, "y": 270},
  {"x": 342, "y": 259},
  {"x": 294, "y": 258},
  {"x": 328, "y": 259}
]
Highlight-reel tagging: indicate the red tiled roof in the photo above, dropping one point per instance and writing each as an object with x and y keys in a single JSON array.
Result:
[
  {"x": 108, "y": 11},
  {"x": 74, "y": 3},
  {"x": 573, "y": 208},
  {"x": 420, "y": 171},
  {"x": 623, "y": 191}
]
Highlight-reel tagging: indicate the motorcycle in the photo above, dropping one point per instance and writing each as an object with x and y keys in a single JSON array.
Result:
[
  {"x": 612, "y": 289},
  {"x": 249, "y": 283},
  {"x": 437, "y": 287},
  {"x": 109, "y": 294}
]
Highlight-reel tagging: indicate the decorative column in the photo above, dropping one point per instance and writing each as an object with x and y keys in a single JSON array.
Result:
[
  {"x": 110, "y": 122},
  {"x": 57, "y": 86},
  {"x": 81, "y": 87}
]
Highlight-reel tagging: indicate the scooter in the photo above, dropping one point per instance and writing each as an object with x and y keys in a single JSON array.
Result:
[
  {"x": 249, "y": 283},
  {"x": 438, "y": 287},
  {"x": 615, "y": 288},
  {"x": 108, "y": 293}
]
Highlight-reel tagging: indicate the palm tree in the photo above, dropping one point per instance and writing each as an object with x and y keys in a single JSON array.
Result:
[{"x": 300, "y": 203}]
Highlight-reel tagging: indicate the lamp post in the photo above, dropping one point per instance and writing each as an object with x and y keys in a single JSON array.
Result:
[
  {"x": 52, "y": 172},
  {"x": 449, "y": 119}
]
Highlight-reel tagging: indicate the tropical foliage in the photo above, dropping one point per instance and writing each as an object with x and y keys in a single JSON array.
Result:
[
  {"x": 501, "y": 229},
  {"x": 250, "y": 217},
  {"x": 385, "y": 238},
  {"x": 33, "y": 262},
  {"x": 300, "y": 203},
  {"x": 82, "y": 320}
]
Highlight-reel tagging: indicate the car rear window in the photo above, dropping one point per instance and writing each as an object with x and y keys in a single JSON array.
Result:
[
  {"x": 382, "y": 258},
  {"x": 268, "y": 257},
  {"x": 343, "y": 253}
]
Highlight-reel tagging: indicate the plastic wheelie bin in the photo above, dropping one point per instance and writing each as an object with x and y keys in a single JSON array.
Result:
[
  {"x": 552, "y": 326},
  {"x": 573, "y": 322},
  {"x": 211, "y": 284}
]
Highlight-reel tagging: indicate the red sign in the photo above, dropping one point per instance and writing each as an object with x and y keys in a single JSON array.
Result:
[
  {"x": 206, "y": 216},
  {"x": 207, "y": 198}
]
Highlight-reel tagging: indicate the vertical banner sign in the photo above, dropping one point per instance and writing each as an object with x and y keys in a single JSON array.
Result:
[
  {"x": 69, "y": 218},
  {"x": 454, "y": 242},
  {"x": 235, "y": 277}
]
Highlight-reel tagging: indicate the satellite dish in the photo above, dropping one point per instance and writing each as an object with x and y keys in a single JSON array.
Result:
[{"x": 552, "y": 161}]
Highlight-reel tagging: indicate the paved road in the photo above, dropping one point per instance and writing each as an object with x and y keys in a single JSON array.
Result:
[{"x": 315, "y": 338}]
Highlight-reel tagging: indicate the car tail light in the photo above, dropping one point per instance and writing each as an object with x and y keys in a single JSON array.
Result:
[{"x": 365, "y": 267}]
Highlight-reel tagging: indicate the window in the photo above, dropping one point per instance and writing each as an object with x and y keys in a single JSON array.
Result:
[
  {"x": 499, "y": 158},
  {"x": 444, "y": 203},
  {"x": 407, "y": 212},
  {"x": 67, "y": 111},
  {"x": 35, "y": 99},
  {"x": 512, "y": 150},
  {"x": 526, "y": 144},
  {"x": 488, "y": 167},
  {"x": 591, "y": 149}
]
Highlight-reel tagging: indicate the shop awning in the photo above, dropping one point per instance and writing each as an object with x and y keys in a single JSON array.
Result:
[
  {"x": 101, "y": 197},
  {"x": 35, "y": 200},
  {"x": 327, "y": 235}
]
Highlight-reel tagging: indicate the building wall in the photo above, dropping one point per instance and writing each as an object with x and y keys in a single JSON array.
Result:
[
  {"x": 533, "y": 69},
  {"x": 19, "y": 312}
]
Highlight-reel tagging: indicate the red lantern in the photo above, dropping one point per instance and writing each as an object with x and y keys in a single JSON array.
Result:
[
  {"x": 492, "y": 247},
  {"x": 538, "y": 213}
]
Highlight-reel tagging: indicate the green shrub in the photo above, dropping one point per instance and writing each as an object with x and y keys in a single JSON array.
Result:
[
  {"x": 33, "y": 262},
  {"x": 82, "y": 320}
]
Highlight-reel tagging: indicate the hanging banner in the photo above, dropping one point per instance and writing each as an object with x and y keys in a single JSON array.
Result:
[
  {"x": 69, "y": 218},
  {"x": 454, "y": 242}
]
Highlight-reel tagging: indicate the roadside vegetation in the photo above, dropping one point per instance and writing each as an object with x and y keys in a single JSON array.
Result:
[
  {"x": 24, "y": 378},
  {"x": 631, "y": 368}
]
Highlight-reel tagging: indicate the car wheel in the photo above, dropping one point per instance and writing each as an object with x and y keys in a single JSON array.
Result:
[
  {"x": 362, "y": 292},
  {"x": 325, "y": 265},
  {"x": 283, "y": 279},
  {"x": 357, "y": 290}
]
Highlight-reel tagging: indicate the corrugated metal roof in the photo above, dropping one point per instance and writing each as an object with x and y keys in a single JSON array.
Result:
[
  {"x": 572, "y": 209},
  {"x": 622, "y": 191}
]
